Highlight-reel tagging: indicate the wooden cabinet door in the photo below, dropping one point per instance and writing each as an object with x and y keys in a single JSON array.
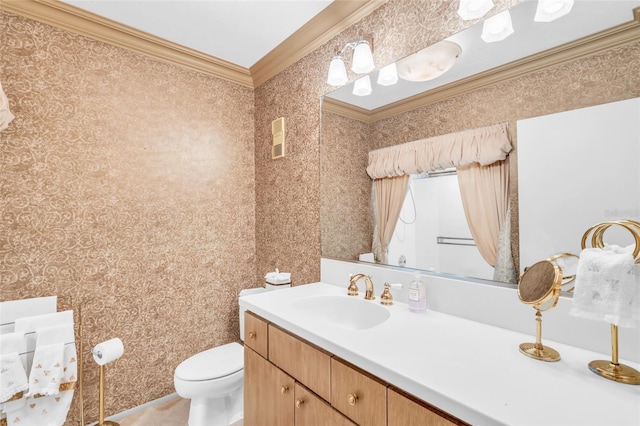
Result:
[
  {"x": 311, "y": 410},
  {"x": 255, "y": 334},
  {"x": 358, "y": 395},
  {"x": 405, "y": 411},
  {"x": 268, "y": 393}
]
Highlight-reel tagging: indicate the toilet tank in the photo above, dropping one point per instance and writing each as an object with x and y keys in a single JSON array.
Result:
[{"x": 250, "y": 291}]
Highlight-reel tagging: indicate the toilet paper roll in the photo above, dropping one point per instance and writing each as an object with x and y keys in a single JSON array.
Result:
[{"x": 108, "y": 351}]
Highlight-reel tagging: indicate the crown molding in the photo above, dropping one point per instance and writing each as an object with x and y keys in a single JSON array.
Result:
[
  {"x": 327, "y": 24},
  {"x": 347, "y": 110},
  {"x": 338, "y": 16},
  {"x": 616, "y": 36}
]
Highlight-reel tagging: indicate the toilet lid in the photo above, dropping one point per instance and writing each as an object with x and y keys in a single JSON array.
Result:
[{"x": 212, "y": 363}]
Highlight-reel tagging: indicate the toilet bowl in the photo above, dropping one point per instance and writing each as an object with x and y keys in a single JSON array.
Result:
[{"x": 213, "y": 380}]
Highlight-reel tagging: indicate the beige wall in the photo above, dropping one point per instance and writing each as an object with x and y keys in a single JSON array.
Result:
[{"x": 127, "y": 189}]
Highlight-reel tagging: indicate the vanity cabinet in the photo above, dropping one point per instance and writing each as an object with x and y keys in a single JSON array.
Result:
[
  {"x": 268, "y": 392},
  {"x": 288, "y": 381}
]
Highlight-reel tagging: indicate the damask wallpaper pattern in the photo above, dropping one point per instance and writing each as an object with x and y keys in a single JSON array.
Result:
[{"x": 128, "y": 191}]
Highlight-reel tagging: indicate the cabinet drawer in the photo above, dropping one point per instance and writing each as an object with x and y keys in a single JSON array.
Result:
[
  {"x": 356, "y": 394},
  {"x": 405, "y": 410},
  {"x": 311, "y": 410},
  {"x": 255, "y": 333},
  {"x": 307, "y": 364}
]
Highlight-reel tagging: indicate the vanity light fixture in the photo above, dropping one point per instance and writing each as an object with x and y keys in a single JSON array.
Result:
[
  {"x": 361, "y": 63},
  {"x": 362, "y": 86},
  {"x": 497, "y": 28},
  {"x": 430, "y": 62},
  {"x": 549, "y": 10},
  {"x": 472, "y": 9},
  {"x": 388, "y": 75}
]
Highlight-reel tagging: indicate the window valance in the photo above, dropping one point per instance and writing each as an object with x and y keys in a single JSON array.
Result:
[{"x": 483, "y": 145}]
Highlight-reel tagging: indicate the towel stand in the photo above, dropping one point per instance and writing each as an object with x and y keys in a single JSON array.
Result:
[{"x": 613, "y": 370}]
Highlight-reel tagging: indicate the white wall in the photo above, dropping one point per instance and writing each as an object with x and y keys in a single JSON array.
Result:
[
  {"x": 576, "y": 169},
  {"x": 494, "y": 304}
]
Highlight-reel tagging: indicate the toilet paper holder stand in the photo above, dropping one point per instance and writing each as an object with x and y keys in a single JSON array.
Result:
[{"x": 101, "y": 420}]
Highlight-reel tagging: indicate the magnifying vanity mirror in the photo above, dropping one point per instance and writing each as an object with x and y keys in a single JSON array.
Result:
[
  {"x": 464, "y": 97},
  {"x": 539, "y": 287}
]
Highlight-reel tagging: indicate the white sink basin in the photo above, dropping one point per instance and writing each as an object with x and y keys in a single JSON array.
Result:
[{"x": 342, "y": 311}]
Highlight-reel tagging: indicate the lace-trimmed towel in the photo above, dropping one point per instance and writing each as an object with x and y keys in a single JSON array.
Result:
[{"x": 607, "y": 286}]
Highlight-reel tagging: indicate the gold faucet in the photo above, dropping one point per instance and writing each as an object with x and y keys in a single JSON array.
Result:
[{"x": 352, "y": 290}]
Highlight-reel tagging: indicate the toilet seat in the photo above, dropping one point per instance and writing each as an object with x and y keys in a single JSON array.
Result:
[{"x": 213, "y": 363}]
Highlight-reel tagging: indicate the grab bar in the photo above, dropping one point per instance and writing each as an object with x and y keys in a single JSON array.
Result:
[{"x": 455, "y": 241}]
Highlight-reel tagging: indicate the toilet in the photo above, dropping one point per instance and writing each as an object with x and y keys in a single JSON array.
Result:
[{"x": 213, "y": 380}]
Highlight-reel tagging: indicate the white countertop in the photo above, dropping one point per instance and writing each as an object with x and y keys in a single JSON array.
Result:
[{"x": 471, "y": 370}]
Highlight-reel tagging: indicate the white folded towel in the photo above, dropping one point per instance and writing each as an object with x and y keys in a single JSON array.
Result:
[
  {"x": 47, "y": 370},
  {"x": 63, "y": 333},
  {"x": 607, "y": 286},
  {"x": 12, "y": 342},
  {"x": 13, "y": 378}
]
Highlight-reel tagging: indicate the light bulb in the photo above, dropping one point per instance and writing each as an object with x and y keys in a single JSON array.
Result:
[
  {"x": 362, "y": 62},
  {"x": 362, "y": 86},
  {"x": 388, "y": 75},
  {"x": 337, "y": 72},
  {"x": 497, "y": 28},
  {"x": 549, "y": 10},
  {"x": 472, "y": 9}
]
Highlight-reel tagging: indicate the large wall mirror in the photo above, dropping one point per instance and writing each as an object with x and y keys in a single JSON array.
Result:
[{"x": 460, "y": 99}]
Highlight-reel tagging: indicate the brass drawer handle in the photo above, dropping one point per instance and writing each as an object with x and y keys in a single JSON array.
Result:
[
  {"x": 352, "y": 399},
  {"x": 284, "y": 389},
  {"x": 252, "y": 335},
  {"x": 299, "y": 402}
]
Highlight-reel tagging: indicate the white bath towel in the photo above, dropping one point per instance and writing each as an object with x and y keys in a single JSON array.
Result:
[
  {"x": 13, "y": 378},
  {"x": 607, "y": 286},
  {"x": 46, "y": 411},
  {"x": 46, "y": 370}
]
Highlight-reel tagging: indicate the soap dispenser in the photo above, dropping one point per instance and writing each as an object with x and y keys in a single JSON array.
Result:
[{"x": 417, "y": 295}]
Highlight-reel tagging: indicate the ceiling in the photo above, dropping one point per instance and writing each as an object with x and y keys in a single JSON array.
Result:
[
  {"x": 240, "y": 32},
  {"x": 244, "y": 41}
]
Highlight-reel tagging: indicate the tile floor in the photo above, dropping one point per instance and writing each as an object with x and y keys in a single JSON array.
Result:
[{"x": 174, "y": 412}]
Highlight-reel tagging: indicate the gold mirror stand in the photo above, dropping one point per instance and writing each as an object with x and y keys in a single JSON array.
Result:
[
  {"x": 537, "y": 350},
  {"x": 539, "y": 286},
  {"x": 613, "y": 370}
]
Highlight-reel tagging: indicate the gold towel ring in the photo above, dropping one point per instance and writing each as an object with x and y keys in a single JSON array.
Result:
[{"x": 599, "y": 229}]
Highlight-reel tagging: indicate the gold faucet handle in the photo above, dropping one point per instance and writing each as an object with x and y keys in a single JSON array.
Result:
[
  {"x": 386, "y": 298},
  {"x": 352, "y": 290}
]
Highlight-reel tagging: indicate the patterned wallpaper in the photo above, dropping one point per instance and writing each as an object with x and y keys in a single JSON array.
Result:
[
  {"x": 346, "y": 222},
  {"x": 127, "y": 189}
]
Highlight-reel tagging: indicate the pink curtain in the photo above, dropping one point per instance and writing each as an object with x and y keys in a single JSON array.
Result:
[
  {"x": 389, "y": 196},
  {"x": 485, "y": 198}
]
